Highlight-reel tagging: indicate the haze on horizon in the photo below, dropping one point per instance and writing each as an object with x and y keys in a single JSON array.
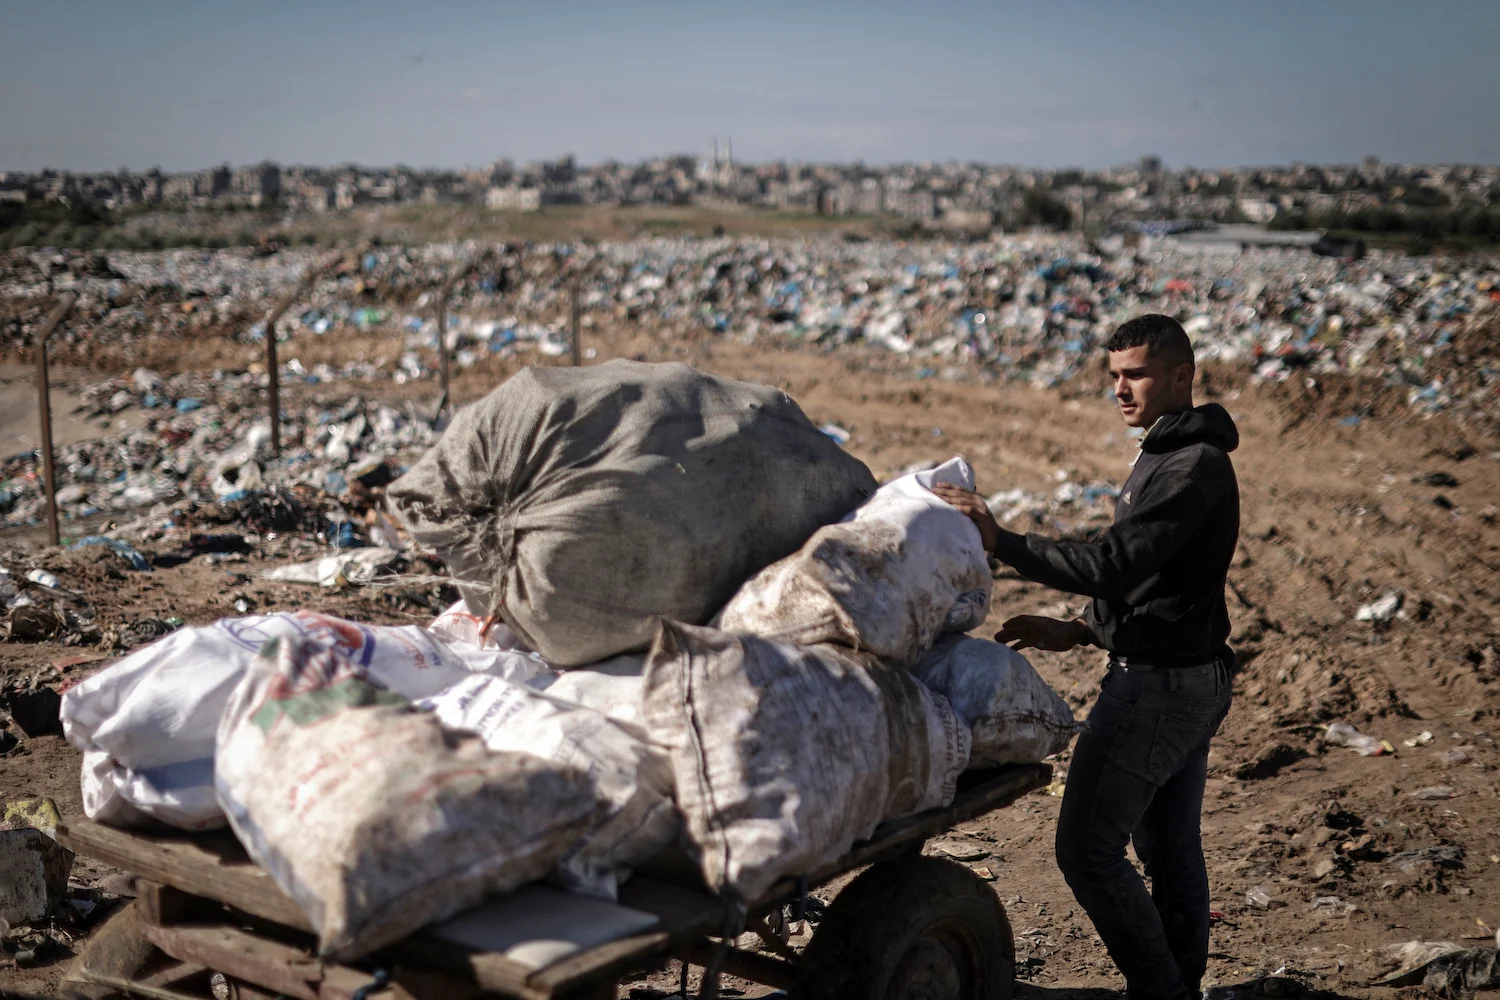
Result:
[{"x": 95, "y": 85}]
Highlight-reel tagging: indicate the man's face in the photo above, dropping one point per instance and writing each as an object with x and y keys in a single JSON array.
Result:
[{"x": 1145, "y": 387}]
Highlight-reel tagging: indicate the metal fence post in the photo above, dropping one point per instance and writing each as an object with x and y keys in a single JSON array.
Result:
[
  {"x": 444, "y": 366},
  {"x": 462, "y": 271},
  {"x": 577, "y": 309},
  {"x": 273, "y": 367},
  {"x": 44, "y": 407}
]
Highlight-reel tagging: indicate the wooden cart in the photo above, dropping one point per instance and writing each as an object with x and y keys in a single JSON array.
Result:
[{"x": 209, "y": 923}]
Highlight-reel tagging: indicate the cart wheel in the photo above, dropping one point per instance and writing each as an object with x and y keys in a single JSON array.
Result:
[{"x": 912, "y": 929}]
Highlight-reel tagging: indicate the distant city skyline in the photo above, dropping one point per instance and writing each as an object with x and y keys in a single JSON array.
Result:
[{"x": 92, "y": 85}]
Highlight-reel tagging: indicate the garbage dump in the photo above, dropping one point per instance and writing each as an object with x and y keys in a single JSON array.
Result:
[
  {"x": 219, "y": 450},
  {"x": 1014, "y": 716},
  {"x": 582, "y": 504},
  {"x": 147, "y": 724},
  {"x": 630, "y": 775},
  {"x": 888, "y": 579},
  {"x": 373, "y": 816},
  {"x": 785, "y": 755},
  {"x": 1028, "y": 309}
]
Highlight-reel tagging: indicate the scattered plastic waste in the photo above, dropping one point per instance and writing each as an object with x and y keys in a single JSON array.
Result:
[
  {"x": 44, "y": 578},
  {"x": 836, "y": 432},
  {"x": 1382, "y": 610},
  {"x": 124, "y": 550},
  {"x": 1344, "y": 735},
  {"x": 1422, "y": 739},
  {"x": 1438, "y": 856},
  {"x": 1435, "y": 792},
  {"x": 1442, "y": 967},
  {"x": 1333, "y": 906},
  {"x": 354, "y": 567},
  {"x": 1259, "y": 897}
]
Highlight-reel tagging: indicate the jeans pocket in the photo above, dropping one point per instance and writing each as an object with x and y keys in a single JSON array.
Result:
[
  {"x": 1126, "y": 734},
  {"x": 1177, "y": 734}
]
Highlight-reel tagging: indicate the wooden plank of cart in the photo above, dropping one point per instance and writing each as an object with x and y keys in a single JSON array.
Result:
[{"x": 209, "y": 923}]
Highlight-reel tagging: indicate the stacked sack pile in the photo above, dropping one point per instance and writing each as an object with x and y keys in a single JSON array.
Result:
[{"x": 689, "y": 620}]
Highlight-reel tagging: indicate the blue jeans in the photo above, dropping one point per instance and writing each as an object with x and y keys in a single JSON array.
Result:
[{"x": 1138, "y": 773}]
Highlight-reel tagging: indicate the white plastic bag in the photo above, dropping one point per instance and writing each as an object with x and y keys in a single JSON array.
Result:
[
  {"x": 631, "y": 777},
  {"x": 349, "y": 566},
  {"x": 463, "y": 626},
  {"x": 786, "y": 755},
  {"x": 889, "y": 579},
  {"x": 372, "y": 816},
  {"x": 159, "y": 707},
  {"x": 1016, "y": 718}
]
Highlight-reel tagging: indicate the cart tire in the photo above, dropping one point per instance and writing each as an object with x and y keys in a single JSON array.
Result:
[{"x": 912, "y": 929}]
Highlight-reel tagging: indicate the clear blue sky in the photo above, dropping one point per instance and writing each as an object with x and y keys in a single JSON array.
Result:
[{"x": 97, "y": 85}]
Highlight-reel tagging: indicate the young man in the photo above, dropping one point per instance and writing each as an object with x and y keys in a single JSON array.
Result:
[{"x": 1157, "y": 579}]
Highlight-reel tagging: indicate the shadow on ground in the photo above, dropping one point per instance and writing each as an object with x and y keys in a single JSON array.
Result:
[
  {"x": 1027, "y": 992},
  {"x": 1273, "y": 986}
]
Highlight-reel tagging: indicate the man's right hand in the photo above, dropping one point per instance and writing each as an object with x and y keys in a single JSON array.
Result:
[
  {"x": 973, "y": 506},
  {"x": 1036, "y": 632}
]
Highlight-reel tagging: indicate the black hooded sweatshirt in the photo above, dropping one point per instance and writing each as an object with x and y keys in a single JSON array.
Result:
[{"x": 1157, "y": 575}]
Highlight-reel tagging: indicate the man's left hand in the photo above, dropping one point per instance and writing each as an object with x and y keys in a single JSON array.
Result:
[{"x": 973, "y": 505}]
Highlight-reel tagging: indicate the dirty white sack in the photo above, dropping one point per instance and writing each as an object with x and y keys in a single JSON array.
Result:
[
  {"x": 373, "y": 816},
  {"x": 146, "y": 724},
  {"x": 631, "y": 777},
  {"x": 180, "y": 795},
  {"x": 612, "y": 687},
  {"x": 785, "y": 755},
  {"x": 1015, "y": 717},
  {"x": 889, "y": 579}
]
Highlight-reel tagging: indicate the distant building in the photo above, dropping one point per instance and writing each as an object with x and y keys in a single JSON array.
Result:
[
  {"x": 257, "y": 184},
  {"x": 919, "y": 204},
  {"x": 513, "y": 199},
  {"x": 970, "y": 220},
  {"x": 318, "y": 197}
]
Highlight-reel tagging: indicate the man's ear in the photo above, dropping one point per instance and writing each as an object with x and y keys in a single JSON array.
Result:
[{"x": 1184, "y": 376}]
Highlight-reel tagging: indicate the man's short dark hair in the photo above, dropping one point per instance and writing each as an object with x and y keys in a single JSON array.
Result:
[{"x": 1163, "y": 336}]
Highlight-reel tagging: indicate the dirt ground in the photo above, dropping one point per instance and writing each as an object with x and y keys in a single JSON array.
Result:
[{"x": 1334, "y": 517}]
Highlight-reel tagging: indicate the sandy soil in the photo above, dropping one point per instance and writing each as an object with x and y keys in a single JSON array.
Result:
[{"x": 1333, "y": 517}]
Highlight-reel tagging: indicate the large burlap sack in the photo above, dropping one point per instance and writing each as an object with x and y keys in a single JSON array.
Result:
[
  {"x": 581, "y": 504},
  {"x": 375, "y": 818},
  {"x": 631, "y": 777},
  {"x": 147, "y": 724},
  {"x": 786, "y": 755},
  {"x": 1016, "y": 718},
  {"x": 893, "y": 576}
]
